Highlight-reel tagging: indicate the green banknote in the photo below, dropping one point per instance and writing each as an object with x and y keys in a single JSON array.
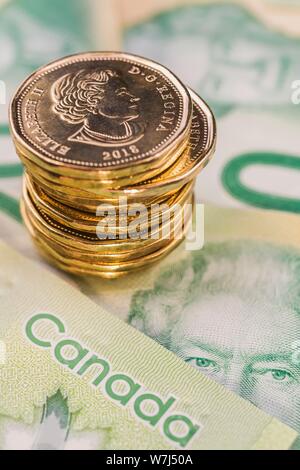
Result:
[
  {"x": 75, "y": 376},
  {"x": 282, "y": 15},
  {"x": 231, "y": 309},
  {"x": 243, "y": 57}
]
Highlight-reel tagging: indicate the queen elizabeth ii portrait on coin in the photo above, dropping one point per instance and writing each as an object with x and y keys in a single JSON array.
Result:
[
  {"x": 101, "y": 102},
  {"x": 232, "y": 311}
]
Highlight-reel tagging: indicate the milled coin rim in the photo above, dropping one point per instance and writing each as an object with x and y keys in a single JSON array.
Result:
[
  {"x": 89, "y": 204},
  {"x": 81, "y": 221},
  {"x": 201, "y": 158},
  {"x": 157, "y": 152},
  {"x": 98, "y": 185},
  {"x": 87, "y": 240},
  {"x": 118, "y": 266}
]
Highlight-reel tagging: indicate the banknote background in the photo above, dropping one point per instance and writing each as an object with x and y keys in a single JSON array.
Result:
[
  {"x": 242, "y": 288},
  {"x": 46, "y": 404}
]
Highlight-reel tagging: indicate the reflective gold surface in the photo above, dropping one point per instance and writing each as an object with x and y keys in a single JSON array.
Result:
[
  {"x": 102, "y": 113},
  {"x": 111, "y": 153}
]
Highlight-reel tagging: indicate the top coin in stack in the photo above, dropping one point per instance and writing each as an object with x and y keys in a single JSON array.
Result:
[
  {"x": 106, "y": 130},
  {"x": 101, "y": 118}
]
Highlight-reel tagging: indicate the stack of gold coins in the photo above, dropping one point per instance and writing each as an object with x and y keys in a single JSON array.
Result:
[{"x": 111, "y": 144}]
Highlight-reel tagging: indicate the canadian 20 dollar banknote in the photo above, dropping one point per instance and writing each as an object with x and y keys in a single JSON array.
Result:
[
  {"x": 229, "y": 310},
  {"x": 75, "y": 376}
]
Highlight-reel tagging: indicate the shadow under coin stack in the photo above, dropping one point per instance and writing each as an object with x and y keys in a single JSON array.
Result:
[{"x": 111, "y": 144}]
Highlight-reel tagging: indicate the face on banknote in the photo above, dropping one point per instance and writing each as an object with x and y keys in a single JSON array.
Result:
[
  {"x": 231, "y": 311},
  {"x": 74, "y": 376}
]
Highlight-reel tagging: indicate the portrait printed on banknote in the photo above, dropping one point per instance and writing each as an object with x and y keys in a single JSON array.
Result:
[{"x": 231, "y": 310}]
